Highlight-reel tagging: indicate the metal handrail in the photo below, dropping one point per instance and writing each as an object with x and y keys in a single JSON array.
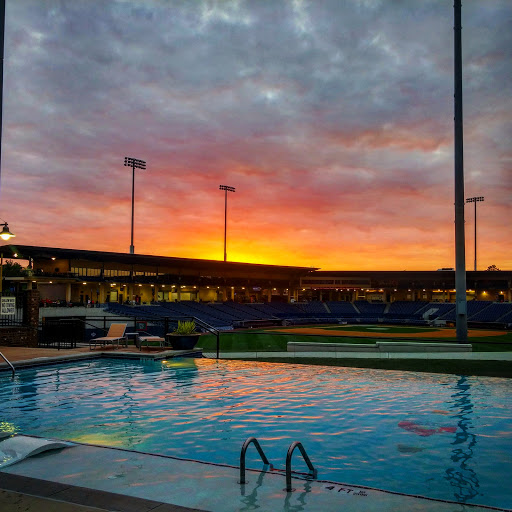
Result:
[
  {"x": 312, "y": 470},
  {"x": 211, "y": 329},
  {"x": 9, "y": 363},
  {"x": 246, "y": 444}
]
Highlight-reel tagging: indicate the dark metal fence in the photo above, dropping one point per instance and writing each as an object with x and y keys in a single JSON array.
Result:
[
  {"x": 62, "y": 332},
  {"x": 65, "y": 331}
]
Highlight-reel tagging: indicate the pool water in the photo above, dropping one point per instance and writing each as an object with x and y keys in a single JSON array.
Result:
[{"x": 436, "y": 435}]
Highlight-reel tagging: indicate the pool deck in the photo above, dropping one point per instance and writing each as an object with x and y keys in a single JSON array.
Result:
[
  {"x": 112, "y": 479},
  {"x": 31, "y": 356},
  {"x": 37, "y": 355}
]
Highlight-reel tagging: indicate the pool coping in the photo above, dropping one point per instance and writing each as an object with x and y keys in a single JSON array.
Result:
[{"x": 81, "y": 356}]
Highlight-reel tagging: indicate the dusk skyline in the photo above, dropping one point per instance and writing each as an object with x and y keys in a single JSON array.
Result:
[{"x": 333, "y": 121}]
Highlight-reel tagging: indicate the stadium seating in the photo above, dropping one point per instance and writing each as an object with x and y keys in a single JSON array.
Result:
[
  {"x": 370, "y": 309},
  {"x": 494, "y": 312},
  {"x": 474, "y": 307},
  {"x": 342, "y": 309},
  {"x": 229, "y": 314}
]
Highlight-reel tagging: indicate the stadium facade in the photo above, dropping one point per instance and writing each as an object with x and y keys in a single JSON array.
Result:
[{"x": 71, "y": 276}]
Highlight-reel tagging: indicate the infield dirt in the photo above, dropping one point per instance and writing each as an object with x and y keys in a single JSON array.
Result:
[{"x": 434, "y": 333}]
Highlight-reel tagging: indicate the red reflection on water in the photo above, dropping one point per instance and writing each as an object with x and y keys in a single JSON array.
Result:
[{"x": 422, "y": 430}]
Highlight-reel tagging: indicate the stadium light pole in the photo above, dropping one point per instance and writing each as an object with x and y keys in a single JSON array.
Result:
[
  {"x": 461, "y": 322},
  {"x": 134, "y": 164},
  {"x": 475, "y": 200},
  {"x": 226, "y": 190}
]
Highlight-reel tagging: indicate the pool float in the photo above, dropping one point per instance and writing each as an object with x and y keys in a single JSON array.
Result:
[{"x": 423, "y": 430}]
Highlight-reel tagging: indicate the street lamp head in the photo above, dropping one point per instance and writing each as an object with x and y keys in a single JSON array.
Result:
[
  {"x": 225, "y": 187},
  {"x": 134, "y": 162},
  {"x": 5, "y": 234},
  {"x": 475, "y": 199}
]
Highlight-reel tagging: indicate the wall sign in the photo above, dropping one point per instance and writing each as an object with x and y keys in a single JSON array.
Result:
[{"x": 7, "y": 305}]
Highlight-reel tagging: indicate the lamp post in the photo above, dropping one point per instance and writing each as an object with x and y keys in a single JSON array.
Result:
[
  {"x": 5, "y": 234},
  {"x": 475, "y": 200},
  {"x": 226, "y": 190},
  {"x": 134, "y": 164}
]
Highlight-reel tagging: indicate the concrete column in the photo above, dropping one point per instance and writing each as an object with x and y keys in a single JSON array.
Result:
[{"x": 31, "y": 315}]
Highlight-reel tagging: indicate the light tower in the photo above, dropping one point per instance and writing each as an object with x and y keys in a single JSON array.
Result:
[
  {"x": 475, "y": 200},
  {"x": 134, "y": 164},
  {"x": 226, "y": 190}
]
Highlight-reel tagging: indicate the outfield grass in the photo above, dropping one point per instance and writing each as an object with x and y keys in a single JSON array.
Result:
[{"x": 265, "y": 341}]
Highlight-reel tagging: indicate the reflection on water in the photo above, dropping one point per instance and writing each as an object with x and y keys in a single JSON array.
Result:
[
  {"x": 462, "y": 477},
  {"x": 300, "y": 498},
  {"x": 250, "y": 500},
  {"x": 293, "y": 502}
]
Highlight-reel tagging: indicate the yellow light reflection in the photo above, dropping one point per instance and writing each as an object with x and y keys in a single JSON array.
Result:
[{"x": 10, "y": 428}]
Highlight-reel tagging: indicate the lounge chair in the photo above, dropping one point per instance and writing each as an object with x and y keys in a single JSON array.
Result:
[
  {"x": 116, "y": 333},
  {"x": 143, "y": 337}
]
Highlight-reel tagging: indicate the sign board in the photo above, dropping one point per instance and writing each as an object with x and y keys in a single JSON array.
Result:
[
  {"x": 142, "y": 325},
  {"x": 7, "y": 305}
]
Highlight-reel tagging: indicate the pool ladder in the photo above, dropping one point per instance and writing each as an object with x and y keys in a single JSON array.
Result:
[
  {"x": 9, "y": 363},
  {"x": 295, "y": 444}
]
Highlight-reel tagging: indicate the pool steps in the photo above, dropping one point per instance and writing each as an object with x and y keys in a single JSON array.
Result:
[{"x": 296, "y": 444}]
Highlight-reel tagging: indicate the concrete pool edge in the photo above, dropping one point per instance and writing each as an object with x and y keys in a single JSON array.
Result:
[
  {"x": 489, "y": 364},
  {"x": 92, "y": 355},
  {"x": 93, "y": 475}
]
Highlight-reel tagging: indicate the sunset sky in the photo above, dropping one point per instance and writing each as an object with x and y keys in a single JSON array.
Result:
[{"x": 332, "y": 118}]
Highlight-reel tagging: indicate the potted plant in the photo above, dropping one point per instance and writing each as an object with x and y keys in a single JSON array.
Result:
[{"x": 184, "y": 337}]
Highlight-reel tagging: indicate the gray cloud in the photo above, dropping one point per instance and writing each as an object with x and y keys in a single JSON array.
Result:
[{"x": 303, "y": 102}]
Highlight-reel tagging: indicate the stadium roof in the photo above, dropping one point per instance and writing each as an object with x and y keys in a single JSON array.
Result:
[{"x": 199, "y": 265}]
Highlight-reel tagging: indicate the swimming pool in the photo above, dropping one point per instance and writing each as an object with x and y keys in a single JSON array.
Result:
[{"x": 436, "y": 435}]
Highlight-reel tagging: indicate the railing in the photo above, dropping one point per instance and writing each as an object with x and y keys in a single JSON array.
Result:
[
  {"x": 9, "y": 363},
  {"x": 211, "y": 329},
  {"x": 313, "y": 472},
  {"x": 251, "y": 440}
]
